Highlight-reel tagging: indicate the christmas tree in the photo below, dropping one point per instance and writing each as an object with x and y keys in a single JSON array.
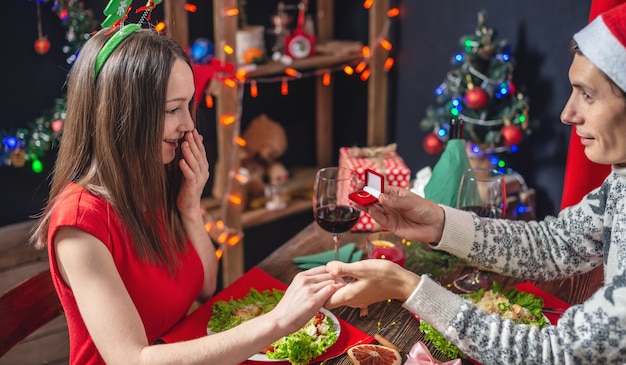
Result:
[
  {"x": 479, "y": 89},
  {"x": 32, "y": 142}
]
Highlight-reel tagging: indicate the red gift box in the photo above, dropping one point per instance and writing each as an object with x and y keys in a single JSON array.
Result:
[{"x": 384, "y": 160}]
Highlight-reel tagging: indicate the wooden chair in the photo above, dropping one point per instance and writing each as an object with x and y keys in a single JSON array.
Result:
[{"x": 25, "y": 308}]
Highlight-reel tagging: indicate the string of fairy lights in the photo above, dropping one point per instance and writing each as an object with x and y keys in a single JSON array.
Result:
[
  {"x": 27, "y": 146},
  {"x": 236, "y": 76}
]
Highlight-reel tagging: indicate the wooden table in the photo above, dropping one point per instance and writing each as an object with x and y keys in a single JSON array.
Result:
[{"x": 389, "y": 318}]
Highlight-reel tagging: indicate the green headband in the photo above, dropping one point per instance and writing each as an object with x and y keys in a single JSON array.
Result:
[
  {"x": 112, "y": 43},
  {"x": 116, "y": 12}
]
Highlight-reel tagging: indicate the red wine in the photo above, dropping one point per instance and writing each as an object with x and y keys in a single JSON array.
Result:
[
  {"x": 485, "y": 211},
  {"x": 337, "y": 218}
]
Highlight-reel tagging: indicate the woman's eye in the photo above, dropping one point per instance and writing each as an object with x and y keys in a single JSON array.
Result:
[{"x": 172, "y": 111}]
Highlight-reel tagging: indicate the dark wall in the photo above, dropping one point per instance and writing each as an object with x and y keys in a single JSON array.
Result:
[
  {"x": 540, "y": 33},
  {"x": 426, "y": 36}
]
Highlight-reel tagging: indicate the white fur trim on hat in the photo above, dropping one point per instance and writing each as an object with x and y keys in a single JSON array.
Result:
[{"x": 599, "y": 45}]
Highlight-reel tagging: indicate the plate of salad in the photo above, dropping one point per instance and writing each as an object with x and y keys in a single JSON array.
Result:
[
  {"x": 299, "y": 348},
  {"x": 518, "y": 306}
]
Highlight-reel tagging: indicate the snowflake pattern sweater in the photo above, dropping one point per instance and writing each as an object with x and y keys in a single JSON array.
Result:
[{"x": 580, "y": 238}]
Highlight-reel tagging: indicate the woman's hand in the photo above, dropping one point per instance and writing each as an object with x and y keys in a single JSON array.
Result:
[
  {"x": 408, "y": 215},
  {"x": 372, "y": 281},
  {"x": 195, "y": 168},
  {"x": 306, "y": 294}
]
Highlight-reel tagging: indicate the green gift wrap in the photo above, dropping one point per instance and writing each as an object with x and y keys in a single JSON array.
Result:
[{"x": 443, "y": 186}]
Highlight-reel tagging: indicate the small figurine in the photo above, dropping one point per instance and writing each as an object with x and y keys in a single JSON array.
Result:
[
  {"x": 266, "y": 142},
  {"x": 281, "y": 20},
  {"x": 275, "y": 191}
]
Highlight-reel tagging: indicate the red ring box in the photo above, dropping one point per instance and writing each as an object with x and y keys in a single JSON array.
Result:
[{"x": 374, "y": 185}]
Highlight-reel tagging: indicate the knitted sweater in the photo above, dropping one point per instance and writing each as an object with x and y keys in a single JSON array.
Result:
[{"x": 580, "y": 238}]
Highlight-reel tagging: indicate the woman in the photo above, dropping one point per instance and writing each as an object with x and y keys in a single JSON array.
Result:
[
  {"x": 126, "y": 240},
  {"x": 582, "y": 237}
]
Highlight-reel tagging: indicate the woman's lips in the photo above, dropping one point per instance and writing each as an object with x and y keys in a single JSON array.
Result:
[{"x": 172, "y": 143}]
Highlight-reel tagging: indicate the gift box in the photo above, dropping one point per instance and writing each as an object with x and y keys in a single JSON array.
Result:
[{"x": 384, "y": 160}]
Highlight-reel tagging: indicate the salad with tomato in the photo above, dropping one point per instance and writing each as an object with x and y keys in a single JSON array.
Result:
[
  {"x": 300, "y": 347},
  {"x": 520, "y": 307}
]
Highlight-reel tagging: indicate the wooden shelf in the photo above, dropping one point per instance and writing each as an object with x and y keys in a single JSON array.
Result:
[
  {"x": 300, "y": 185},
  {"x": 317, "y": 61},
  {"x": 257, "y": 217}
]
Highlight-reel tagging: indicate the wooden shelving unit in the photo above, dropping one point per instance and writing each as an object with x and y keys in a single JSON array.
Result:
[{"x": 228, "y": 104}]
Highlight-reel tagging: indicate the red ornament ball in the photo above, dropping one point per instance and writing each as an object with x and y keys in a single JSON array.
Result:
[
  {"x": 511, "y": 135},
  {"x": 511, "y": 88},
  {"x": 42, "y": 45},
  {"x": 476, "y": 98},
  {"x": 432, "y": 144}
]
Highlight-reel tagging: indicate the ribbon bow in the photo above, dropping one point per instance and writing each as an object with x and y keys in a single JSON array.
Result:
[
  {"x": 369, "y": 152},
  {"x": 419, "y": 355},
  {"x": 117, "y": 11}
]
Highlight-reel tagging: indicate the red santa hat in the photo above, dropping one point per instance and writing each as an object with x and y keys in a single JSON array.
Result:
[{"x": 603, "y": 42}]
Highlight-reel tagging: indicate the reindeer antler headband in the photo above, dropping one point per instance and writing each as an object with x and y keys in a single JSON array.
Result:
[{"x": 117, "y": 12}]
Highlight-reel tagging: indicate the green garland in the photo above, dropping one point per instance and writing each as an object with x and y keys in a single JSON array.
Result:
[
  {"x": 435, "y": 263},
  {"x": 31, "y": 143}
]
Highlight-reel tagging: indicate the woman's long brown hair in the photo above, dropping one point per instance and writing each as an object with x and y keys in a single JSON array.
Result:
[{"x": 112, "y": 138}]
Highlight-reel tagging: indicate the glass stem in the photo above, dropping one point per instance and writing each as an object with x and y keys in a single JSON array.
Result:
[{"x": 336, "y": 241}]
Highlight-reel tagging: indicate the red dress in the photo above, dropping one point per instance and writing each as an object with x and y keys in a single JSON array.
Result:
[{"x": 161, "y": 299}]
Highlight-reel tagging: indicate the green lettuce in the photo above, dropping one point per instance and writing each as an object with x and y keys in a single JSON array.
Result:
[
  {"x": 300, "y": 347},
  {"x": 223, "y": 318},
  {"x": 441, "y": 343}
]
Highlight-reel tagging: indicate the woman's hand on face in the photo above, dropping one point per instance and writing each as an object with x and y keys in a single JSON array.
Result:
[
  {"x": 306, "y": 294},
  {"x": 408, "y": 215},
  {"x": 373, "y": 280},
  {"x": 195, "y": 168}
]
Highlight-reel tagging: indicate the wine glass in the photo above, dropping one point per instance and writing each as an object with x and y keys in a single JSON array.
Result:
[
  {"x": 482, "y": 191},
  {"x": 331, "y": 205}
]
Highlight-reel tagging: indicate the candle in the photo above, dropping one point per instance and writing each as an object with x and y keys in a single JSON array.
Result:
[{"x": 386, "y": 250}]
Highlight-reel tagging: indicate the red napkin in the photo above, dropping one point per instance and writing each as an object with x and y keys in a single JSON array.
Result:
[
  {"x": 549, "y": 300},
  {"x": 195, "y": 325}
]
